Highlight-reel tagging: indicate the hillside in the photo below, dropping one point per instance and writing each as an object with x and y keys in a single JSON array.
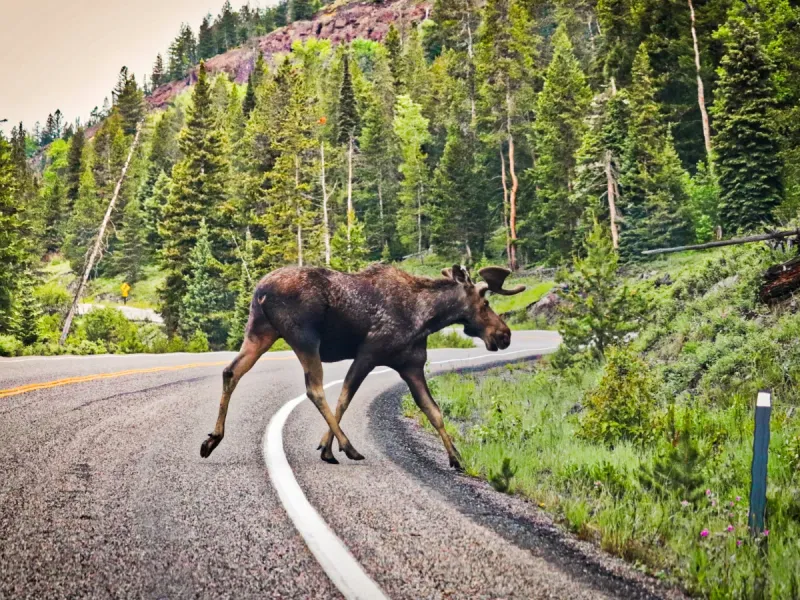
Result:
[{"x": 338, "y": 23}]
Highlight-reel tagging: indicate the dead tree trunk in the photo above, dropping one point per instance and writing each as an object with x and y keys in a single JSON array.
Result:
[
  {"x": 780, "y": 281},
  {"x": 776, "y": 235},
  {"x": 701, "y": 96},
  {"x": 505, "y": 204},
  {"x": 99, "y": 241},
  {"x": 612, "y": 202},
  {"x": 326, "y": 229}
]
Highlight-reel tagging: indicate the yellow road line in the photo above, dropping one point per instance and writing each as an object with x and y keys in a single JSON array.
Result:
[{"x": 30, "y": 387}]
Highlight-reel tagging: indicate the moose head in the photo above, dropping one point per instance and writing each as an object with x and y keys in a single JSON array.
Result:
[{"x": 479, "y": 320}]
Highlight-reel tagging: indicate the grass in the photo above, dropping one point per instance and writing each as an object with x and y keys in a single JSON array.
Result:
[
  {"x": 449, "y": 339},
  {"x": 708, "y": 347},
  {"x": 519, "y": 302}
]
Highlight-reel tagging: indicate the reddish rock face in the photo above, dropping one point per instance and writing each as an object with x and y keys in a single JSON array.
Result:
[{"x": 352, "y": 21}]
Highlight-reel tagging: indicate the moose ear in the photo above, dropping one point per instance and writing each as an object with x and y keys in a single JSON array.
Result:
[
  {"x": 447, "y": 273},
  {"x": 494, "y": 278},
  {"x": 460, "y": 274}
]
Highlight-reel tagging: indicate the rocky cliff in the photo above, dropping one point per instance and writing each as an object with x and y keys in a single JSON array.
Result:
[{"x": 338, "y": 24}]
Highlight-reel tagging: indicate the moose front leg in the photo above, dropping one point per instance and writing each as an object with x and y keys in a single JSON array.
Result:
[
  {"x": 312, "y": 365},
  {"x": 355, "y": 377},
  {"x": 252, "y": 349},
  {"x": 415, "y": 379}
]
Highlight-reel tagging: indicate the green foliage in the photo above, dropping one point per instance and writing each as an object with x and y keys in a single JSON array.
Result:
[
  {"x": 501, "y": 479},
  {"x": 598, "y": 309},
  {"x": 12, "y": 249},
  {"x": 703, "y": 203},
  {"x": 449, "y": 339},
  {"x": 411, "y": 128},
  {"x": 106, "y": 325},
  {"x": 198, "y": 342},
  {"x": 10, "y": 345},
  {"x": 621, "y": 407},
  {"x": 133, "y": 251},
  {"x": 349, "y": 255},
  {"x": 748, "y": 160}
]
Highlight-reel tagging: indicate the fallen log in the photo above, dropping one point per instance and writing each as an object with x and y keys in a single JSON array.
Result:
[
  {"x": 775, "y": 235},
  {"x": 780, "y": 281}
]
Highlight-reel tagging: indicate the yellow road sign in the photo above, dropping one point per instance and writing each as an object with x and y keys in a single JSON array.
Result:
[{"x": 125, "y": 288}]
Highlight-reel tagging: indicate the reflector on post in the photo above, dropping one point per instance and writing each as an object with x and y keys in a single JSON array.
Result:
[{"x": 758, "y": 488}]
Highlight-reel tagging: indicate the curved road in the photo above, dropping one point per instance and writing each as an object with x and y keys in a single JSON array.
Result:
[{"x": 103, "y": 492}]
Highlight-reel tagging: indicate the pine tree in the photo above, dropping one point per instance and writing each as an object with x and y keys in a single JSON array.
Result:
[
  {"x": 74, "y": 166},
  {"x": 158, "y": 76},
  {"x": 129, "y": 101},
  {"x": 748, "y": 161},
  {"x": 133, "y": 251},
  {"x": 411, "y": 128},
  {"x": 349, "y": 248},
  {"x": 561, "y": 108},
  {"x": 254, "y": 80},
  {"x": 206, "y": 45},
  {"x": 653, "y": 200},
  {"x": 199, "y": 184},
  {"x": 85, "y": 218},
  {"x": 244, "y": 294},
  {"x": 290, "y": 218},
  {"x": 458, "y": 199},
  {"x": 227, "y": 27},
  {"x": 394, "y": 47},
  {"x": 12, "y": 243},
  {"x": 505, "y": 62},
  {"x": 204, "y": 299},
  {"x": 300, "y": 10},
  {"x": 413, "y": 67},
  {"x": 347, "y": 130}
]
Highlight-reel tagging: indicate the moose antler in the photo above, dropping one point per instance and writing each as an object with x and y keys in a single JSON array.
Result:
[{"x": 493, "y": 278}]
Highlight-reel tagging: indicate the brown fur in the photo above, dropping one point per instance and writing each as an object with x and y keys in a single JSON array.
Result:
[{"x": 381, "y": 316}]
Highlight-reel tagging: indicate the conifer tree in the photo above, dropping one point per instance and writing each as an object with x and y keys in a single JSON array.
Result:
[
  {"x": 27, "y": 310},
  {"x": 394, "y": 47},
  {"x": 199, "y": 185},
  {"x": 347, "y": 131},
  {"x": 411, "y": 128},
  {"x": 300, "y": 10},
  {"x": 559, "y": 128},
  {"x": 206, "y": 45},
  {"x": 85, "y": 218},
  {"x": 414, "y": 69},
  {"x": 748, "y": 164},
  {"x": 74, "y": 166},
  {"x": 204, "y": 300},
  {"x": 254, "y": 80},
  {"x": 153, "y": 209},
  {"x": 12, "y": 243},
  {"x": 228, "y": 37},
  {"x": 244, "y": 294},
  {"x": 129, "y": 101},
  {"x": 505, "y": 66},
  {"x": 133, "y": 250},
  {"x": 653, "y": 200},
  {"x": 158, "y": 76},
  {"x": 349, "y": 248}
]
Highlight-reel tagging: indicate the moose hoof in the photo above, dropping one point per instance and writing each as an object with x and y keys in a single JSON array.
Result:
[
  {"x": 351, "y": 452},
  {"x": 456, "y": 464},
  {"x": 328, "y": 457},
  {"x": 209, "y": 444}
]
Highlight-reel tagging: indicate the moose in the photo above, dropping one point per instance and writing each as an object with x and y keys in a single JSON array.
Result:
[{"x": 381, "y": 316}]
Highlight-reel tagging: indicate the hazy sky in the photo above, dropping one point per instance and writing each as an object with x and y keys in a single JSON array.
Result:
[{"x": 67, "y": 53}]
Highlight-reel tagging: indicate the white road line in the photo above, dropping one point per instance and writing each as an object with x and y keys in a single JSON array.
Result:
[{"x": 333, "y": 556}]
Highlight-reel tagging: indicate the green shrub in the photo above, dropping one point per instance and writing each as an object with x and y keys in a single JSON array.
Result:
[
  {"x": 176, "y": 344},
  {"x": 622, "y": 406},
  {"x": 54, "y": 298},
  {"x": 198, "y": 342},
  {"x": 10, "y": 346},
  {"x": 107, "y": 325},
  {"x": 501, "y": 479},
  {"x": 449, "y": 339}
]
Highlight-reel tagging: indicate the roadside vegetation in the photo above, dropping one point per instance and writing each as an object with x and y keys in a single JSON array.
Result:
[{"x": 645, "y": 447}]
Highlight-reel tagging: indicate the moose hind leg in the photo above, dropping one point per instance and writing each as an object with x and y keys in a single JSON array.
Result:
[
  {"x": 415, "y": 379},
  {"x": 312, "y": 365},
  {"x": 252, "y": 349},
  {"x": 352, "y": 381}
]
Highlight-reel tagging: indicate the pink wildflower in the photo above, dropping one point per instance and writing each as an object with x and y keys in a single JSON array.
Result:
[
  {"x": 704, "y": 533},
  {"x": 713, "y": 503},
  {"x": 731, "y": 503},
  {"x": 708, "y": 492},
  {"x": 766, "y": 532},
  {"x": 738, "y": 498},
  {"x": 738, "y": 543},
  {"x": 684, "y": 503},
  {"x": 729, "y": 528}
]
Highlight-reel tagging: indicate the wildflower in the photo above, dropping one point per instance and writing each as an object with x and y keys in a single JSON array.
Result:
[
  {"x": 738, "y": 543},
  {"x": 704, "y": 533},
  {"x": 729, "y": 528},
  {"x": 731, "y": 503},
  {"x": 708, "y": 492},
  {"x": 766, "y": 532},
  {"x": 684, "y": 503},
  {"x": 738, "y": 498},
  {"x": 713, "y": 503},
  {"x": 597, "y": 484}
]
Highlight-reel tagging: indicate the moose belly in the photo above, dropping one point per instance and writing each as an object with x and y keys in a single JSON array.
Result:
[{"x": 339, "y": 342}]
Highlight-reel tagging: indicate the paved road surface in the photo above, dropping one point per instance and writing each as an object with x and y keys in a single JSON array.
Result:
[{"x": 103, "y": 492}]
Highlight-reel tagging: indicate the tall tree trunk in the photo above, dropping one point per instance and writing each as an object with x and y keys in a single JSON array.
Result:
[
  {"x": 350, "y": 212},
  {"x": 419, "y": 218},
  {"x": 505, "y": 203},
  {"x": 99, "y": 241},
  {"x": 512, "y": 196},
  {"x": 299, "y": 213},
  {"x": 471, "y": 55},
  {"x": 612, "y": 202},
  {"x": 701, "y": 96},
  {"x": 326, "y": 230}
]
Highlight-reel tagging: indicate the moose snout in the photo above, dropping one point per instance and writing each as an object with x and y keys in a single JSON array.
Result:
[{"x": 498, "y": 340}]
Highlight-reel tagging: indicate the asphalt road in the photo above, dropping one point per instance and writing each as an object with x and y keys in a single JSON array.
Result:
[{"x": 103, "y": 492}]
